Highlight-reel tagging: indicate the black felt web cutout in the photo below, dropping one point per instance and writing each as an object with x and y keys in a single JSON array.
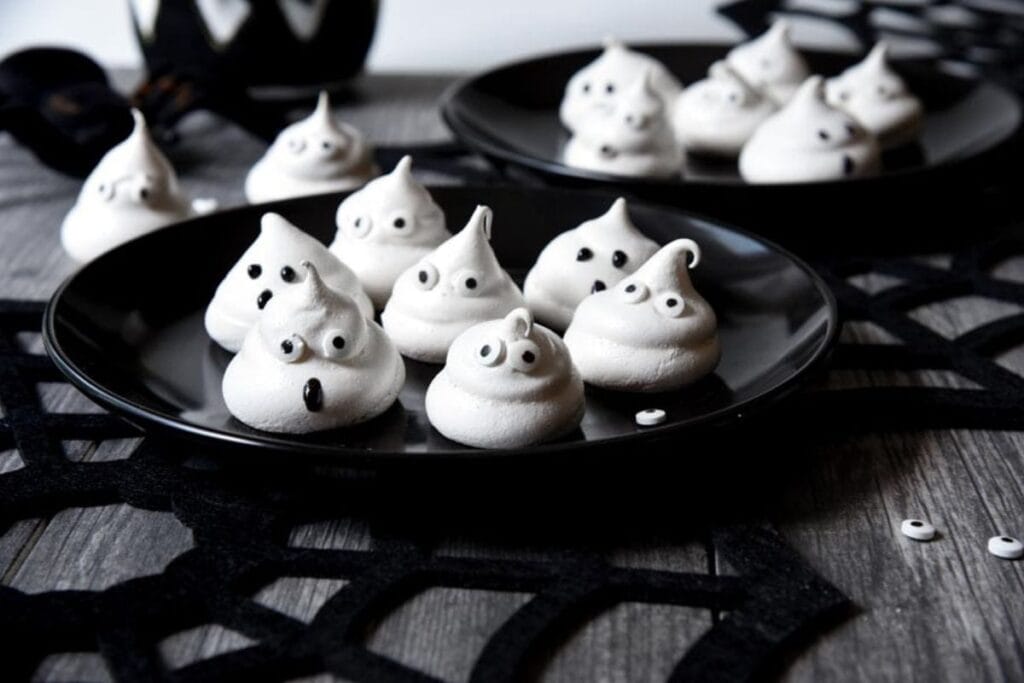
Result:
[{"x": 241, "y": 530}]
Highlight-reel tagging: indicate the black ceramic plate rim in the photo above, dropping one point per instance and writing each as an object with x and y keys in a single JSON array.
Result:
[
  {"x": 484, "y": 144},
  {"x": 270, "y": 442}
]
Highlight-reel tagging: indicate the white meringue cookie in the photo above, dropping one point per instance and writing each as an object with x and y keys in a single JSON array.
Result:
[
  {"x": 386, "y": 227},
  {"x": 875, "y": 95},
  {"x": 267, "y": 268},
  {"x": 313, "y": 362},
  {"x": 597, "y": 86},
  {"x": 591, "y": 257},
  {"x": 652, "y": 332},
  {"x": 454, "y": 287},
  {"x": 132, "y": 191},
  {"x": 634, "y": 138},
  {"x": 808, "y": 141},
  {"x": 506, "y": 383},
  {"x": 716, "y": 116},
  {"x": 315, "y": 155},
  {"x": 770, "y": 63}
]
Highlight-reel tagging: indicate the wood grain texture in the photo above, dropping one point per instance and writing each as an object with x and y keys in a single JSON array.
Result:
[{"x": 944, "y": 610}]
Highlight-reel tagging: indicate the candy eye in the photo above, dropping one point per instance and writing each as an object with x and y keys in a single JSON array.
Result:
[
  {"x": 669, "y": 304},
  {"x": 490, "y": 352},
  {"x": 823, "y": 134},
  {"x": 288, "y": 274},
  {"x": 337, "y": 344},
  {"x": 143, "y": 191},
  {"x": 586, "y": 88},
  {"x": 254, "y": 270},
  {"x": 524, "y": 355},
  {"x": 467, "y": 282},
  {"x": 105, "y": 191},
  {"x": 609, "y": 88},
  {"x": 400, "y": 223},
  {"x": 296, "y": 145},
  {"x": 360, "y": 226},
  {"x": 619, "y": 258},
  {"x": 327, "y": 145},
  {"x": 632, "y": 292},
  {"x": 426, "y": 276},
  {"x": 291, "y": 349},
  {"x": 584, "y": 254}
]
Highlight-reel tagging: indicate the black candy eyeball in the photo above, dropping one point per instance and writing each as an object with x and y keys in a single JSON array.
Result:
[
  {"x": 619, "y": 258},
  {"x": 823, "y": 134},
  {"x": 467, "y": 282},
  {"x": 427, "y": 276},
  {"x": 598, "y": 286},
  {"x": 608, "y": 152},
  {"x": 670, "y": 304},
  {"x": 523, "y": 355},
  {"x": 490, "y": 352},
  {"x": 586, "y": 88},
  {"x": 336, "y": 344},
  {"x": 288, "y": 274},
  {"x": 584, "y": 254},
  {"x": 609, "y": 88},
  {"x": 254, "y": 270},
  {"x": 290, "y": 349}
]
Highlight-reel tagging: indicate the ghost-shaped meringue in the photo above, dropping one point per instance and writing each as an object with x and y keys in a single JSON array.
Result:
[
  {"x": 651, "y": 332},
  {"x": 770, "y": 63},
  {"x": 132, "y": 191},
  {"x": 597, "y": 86},
  {"x": 315, "y": 155},
  {"x": 717, "y": 115},
  {"x": 634, "y": 138},
  {"x": 386, "y": 227},
  {"x": 591, "y": 257},
  {"x": 506, "y": 383},
  {"x": 312, "y": 362},
  {"x": 808, "y": 141},
  {"x": 871, "y": 92},
  {"x": 271, "y": 265},
  {"x": 451, "y": 289}
]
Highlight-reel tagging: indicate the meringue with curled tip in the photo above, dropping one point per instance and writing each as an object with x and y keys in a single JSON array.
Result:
[
  {"x": 271, "y": 265},
  {"x": 507, "y": 383},
  {"x": 770, "y": 63},
  {"x": 809, "y": 141},
  {"x": 596, "y": 87},
  {"x": 652, "y": 332},
  {"x": 717, "y": 115},
  {"x": 132, "y": 191},
  {"x": 451, "y": 289},
  {"x": 592, "y": 257},
  {"x": 315, "y": 155},
  {"x": 312, "y": 362},
  {"x": 634, "y": 138},
  {"x": 878, "y": 97},
  {"x": 386, "y": 227}
]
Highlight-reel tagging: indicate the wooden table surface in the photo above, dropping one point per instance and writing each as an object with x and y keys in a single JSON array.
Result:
[{"x": 945, "y": 610}]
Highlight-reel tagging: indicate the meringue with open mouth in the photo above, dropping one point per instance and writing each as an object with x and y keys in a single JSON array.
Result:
[
  {"x": 454, "y": 287},
  {"x": 386, "y": 227},
  {"x": 312, "y": 362},
  {"x": 770, "y": 63},
  {"x": 634, "y": 138},
  {"x": 507, "y": 383},
  {"x": 315, "y": 155},
  {"x": 875, "y": 95},
  {"x": 132, "y": 191},
  {"x": 270, "y": 266},
  {"x": 716, "y": 116},
  {"x": 652, "y": 332},
  {"x": 808, "y": 141},
  {"x": 591, "y": 257},
  {"x": 597, "y": 86}
]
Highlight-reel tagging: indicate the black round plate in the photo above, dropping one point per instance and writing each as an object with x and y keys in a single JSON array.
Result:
[
  {"x": 510, "y": 114},
  {"x": 128, "y": 328}
]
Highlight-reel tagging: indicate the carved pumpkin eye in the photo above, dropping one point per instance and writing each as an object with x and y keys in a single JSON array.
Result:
[
  {"x": 632, "y": 292},
  {"x": 426, "y": 276},
  {"x": 490, "y": 352},
  {"x": 524, "y": 355},
  {"x": 670, "y": 304},
  {"x": 290, "y": 349},
  {"x": 467, "y": 282}
]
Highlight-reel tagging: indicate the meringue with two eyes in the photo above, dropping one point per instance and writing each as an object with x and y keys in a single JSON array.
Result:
[
  {"x": 878, "y": 98},
  {"x": 717, "y": 115},
  {"x": 591, "y": 257},
  {"x": 770, "y": 63},
  {"x": 315, "y": 155},
  {"x": 454, "y": 287},
  {"x": 270, "y": 266},
  {"x": 807, "y": 141},
  {"x": 132, "y": 191},
  {"x": 650, "y": 333},
  {"x": 386, "y": 227},
  {"x": 313, "y": 362},
  {"x": 598, "y": 86},
  {"x": 507, "y": 383},
  {"x": 634, "y": 138}
]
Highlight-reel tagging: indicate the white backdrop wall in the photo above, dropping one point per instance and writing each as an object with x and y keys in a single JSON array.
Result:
[{"x": 412, "y": 35}]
